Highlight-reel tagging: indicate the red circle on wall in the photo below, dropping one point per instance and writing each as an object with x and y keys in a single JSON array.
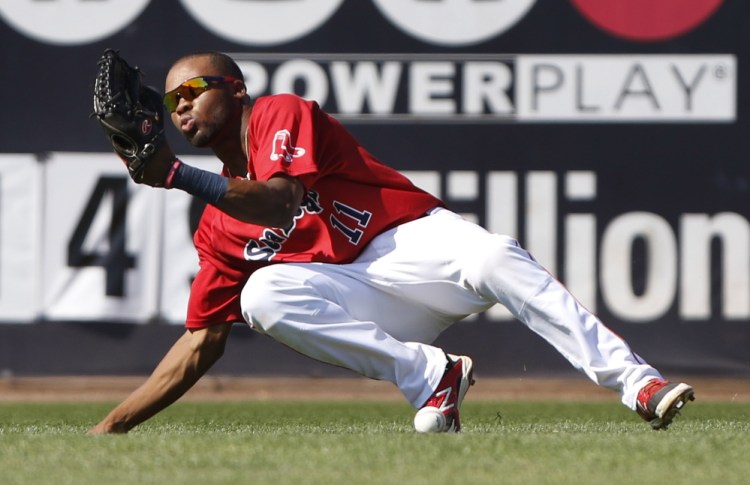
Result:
[{"x": 647, "y": 20}]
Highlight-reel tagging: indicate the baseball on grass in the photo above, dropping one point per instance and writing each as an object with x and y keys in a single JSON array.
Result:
[{"x": 429, "y": 420}]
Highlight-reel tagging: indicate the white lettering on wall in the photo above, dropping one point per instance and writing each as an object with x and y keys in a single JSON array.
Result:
[
  {"x": 660, "y": 272},
  {"x": 637, "y": 266},
  {"x": 678, "y": 267},
  {"x": 485, "y": 88},
  {"x": 697, "y": 232}
]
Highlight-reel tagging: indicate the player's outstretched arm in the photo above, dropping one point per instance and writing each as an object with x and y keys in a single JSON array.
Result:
[{"x": 188, "y": 359}]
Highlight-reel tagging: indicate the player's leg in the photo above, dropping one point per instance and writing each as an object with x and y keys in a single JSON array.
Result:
[
  {"x": 326, "y": 313},
  {"x": 499, "y": 269},
  {"x": 376, "y": 315},
  {"x": 447, "y": 263}
]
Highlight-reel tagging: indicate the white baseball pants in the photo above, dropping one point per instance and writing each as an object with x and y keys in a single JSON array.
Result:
[{"x": 378, "y": 314}]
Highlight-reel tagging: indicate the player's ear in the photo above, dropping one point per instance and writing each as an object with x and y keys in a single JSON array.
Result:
[{"x": 240, "y": 89}]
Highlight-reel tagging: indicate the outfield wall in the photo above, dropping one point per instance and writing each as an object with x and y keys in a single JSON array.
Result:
[{"x": 610, "y": 138}]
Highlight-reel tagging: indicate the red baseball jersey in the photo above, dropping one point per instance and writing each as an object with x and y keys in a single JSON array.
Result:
[{"x": 351, "y": 198}]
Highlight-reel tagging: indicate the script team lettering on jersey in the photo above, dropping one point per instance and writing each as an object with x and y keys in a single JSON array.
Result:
[{"x": 266, "y": 247}]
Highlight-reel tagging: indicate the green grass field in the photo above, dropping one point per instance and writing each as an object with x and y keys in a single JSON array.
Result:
[{"x": 306, "y": 442}]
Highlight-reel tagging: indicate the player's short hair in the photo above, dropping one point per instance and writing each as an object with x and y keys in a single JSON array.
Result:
[{"x": 222, "y": 62}]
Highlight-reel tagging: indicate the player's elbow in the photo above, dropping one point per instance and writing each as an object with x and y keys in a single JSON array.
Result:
[
  {"x": 283, "y": 199},
  {"x": 210, "y": 342}
]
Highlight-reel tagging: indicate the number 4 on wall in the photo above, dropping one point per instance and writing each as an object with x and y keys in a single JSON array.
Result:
[{"x": 115, "y": 261}]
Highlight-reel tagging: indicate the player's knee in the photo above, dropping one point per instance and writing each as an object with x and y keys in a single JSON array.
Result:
[
  {"x": 494, "y": 264},
  {"x": 498, "y": 251},
  {"x": 261, "y": 300}
]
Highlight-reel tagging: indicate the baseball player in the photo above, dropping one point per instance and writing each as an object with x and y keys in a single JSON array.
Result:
[{"x": 309, "y": 239}]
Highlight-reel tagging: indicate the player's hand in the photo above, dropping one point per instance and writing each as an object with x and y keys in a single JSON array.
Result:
[
  {"x": 107, "y": 428},
  {"x": 155, "y": 172},
  {"x": 130, "y": 113}
]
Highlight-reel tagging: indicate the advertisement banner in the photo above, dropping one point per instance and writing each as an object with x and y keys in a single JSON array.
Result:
[
  {"x": 610, "y": 138},
  {"x": 20, "y": 237}
]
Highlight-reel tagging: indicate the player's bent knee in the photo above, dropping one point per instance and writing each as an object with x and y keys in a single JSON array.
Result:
[
  {"x": 500, "y": 265},
  {"x": 496, "y": 252},
  {"x": 260, "y": 300}
]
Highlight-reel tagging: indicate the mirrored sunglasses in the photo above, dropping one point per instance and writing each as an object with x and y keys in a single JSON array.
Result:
[{"x": 192, "y": 88}]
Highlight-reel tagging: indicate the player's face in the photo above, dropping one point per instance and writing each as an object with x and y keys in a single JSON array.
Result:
[{"x": 202, "y": 116}]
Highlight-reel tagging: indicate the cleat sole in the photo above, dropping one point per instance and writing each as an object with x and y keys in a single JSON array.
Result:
[{"x": 672, "y": 405}]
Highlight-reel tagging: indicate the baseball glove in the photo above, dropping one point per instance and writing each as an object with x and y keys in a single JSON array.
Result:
[{"x": 130, "y": 113}]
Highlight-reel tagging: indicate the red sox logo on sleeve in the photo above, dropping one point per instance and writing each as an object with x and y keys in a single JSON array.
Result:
[{"x": 282, "y": 148}]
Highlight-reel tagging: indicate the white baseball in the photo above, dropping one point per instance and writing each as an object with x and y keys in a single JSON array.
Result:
[{"x": 429, "y": 420}]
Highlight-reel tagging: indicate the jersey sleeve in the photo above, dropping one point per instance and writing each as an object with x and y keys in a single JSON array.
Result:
[{"x": 283, "y": 136}]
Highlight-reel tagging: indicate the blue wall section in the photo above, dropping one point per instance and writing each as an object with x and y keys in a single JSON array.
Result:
[{"x": 632, "y": 186}]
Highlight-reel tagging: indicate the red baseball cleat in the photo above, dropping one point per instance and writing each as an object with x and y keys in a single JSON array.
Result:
[
  {"x": 660, "y": 401},
  {"x": 450, "y": 393}
]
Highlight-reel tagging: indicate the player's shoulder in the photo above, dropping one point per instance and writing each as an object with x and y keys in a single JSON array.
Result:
[{"x": 284, "y": 102}]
